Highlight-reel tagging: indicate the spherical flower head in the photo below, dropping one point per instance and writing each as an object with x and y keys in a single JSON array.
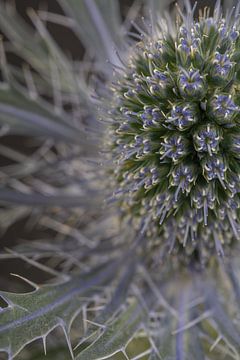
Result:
[{"x": 176, "y": 137}]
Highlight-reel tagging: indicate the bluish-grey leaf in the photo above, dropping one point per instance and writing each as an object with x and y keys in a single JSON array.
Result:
[
  {"x": 40, "y": 50},
  {"x": 97, "y": 25},
  {"x": 40, "y": 200},
  {"x": 223, "y": 320},
  {"x": 28, "y": 117}
]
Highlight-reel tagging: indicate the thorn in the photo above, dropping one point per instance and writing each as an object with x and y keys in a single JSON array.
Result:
[
  {"x": 4, "y": 129},
  {"x": 218, "y": 245},
  {"x": 186, "y": 234},
  {"x": 44, "y": 339},
  {"x": 194, "y": 322},
  {"x": 218, "y": 339},
  {"x": 139, "y": 29},
  {"x": 32, "y": 90},
  {"x": 56, "y": 86},
  {"x": 3, "y": 62},
  {"x": 125, "y": 354},
  {"x": 31, "y": 283},
  {"x": 37, "y": 264},
  {"x": 96, "y": 324},
  {"x": 143, "y": 354},
  {"x": 62, "y": 20},
  {"x": 84, "y": 318},
  {"x": 66, "y": 333}
]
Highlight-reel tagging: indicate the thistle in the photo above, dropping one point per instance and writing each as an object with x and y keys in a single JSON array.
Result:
[
  {"x": 136, "y": 176},
  {"x": 175, "y": 128}
]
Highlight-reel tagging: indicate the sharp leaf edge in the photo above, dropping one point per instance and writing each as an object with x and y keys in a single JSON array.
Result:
[
  {"x": 33, "y": 315},
  {"x": 116, "y": 335}
]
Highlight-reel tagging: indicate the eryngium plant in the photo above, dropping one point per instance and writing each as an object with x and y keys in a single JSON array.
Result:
[
  {"x": 154, "y": 273},
  {"x": 176, "y": 139}
]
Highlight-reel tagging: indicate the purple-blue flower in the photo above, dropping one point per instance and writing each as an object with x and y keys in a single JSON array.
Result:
[
  {"x": 207, "y": 139},
  {"x": 182, "y": 117},
  {"x": 173, "y": 147},
  {"x": 191, "y": 83},
  {"x": 182, "y": 177},
  {"x": 222, "y": 64},
  {"x": 224, "y": 107},
  {"x": 215, "y": 168}
]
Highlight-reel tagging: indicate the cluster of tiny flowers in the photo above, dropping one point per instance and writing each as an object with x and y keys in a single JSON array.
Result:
[{"x": 175, "y": 137}]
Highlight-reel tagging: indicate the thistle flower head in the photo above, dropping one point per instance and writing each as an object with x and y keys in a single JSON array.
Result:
[{"x": 175, "y": 136}]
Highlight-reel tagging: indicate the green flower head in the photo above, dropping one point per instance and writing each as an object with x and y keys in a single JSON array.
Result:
[{"x": 175, "y": 136}]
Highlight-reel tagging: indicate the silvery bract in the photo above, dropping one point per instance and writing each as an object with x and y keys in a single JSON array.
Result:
[{"x": 134, "y": 168}]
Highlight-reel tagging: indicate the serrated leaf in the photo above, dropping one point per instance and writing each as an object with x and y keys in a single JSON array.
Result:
[
  {"x": 117, "y": 300},
  {"x": 116, "y": 336},
  {"x": 33, "y": 315}
]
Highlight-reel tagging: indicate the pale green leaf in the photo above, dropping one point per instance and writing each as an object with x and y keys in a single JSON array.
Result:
[
  {"x": 33, "y": 315},
  {"x": 116, "y": 336}
]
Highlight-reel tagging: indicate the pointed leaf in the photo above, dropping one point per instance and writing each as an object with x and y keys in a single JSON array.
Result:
[
  {"x": 33, "y": 315},
  {"x": 21, "y": 36},
  {"x": 116, "y": 336},
  {"x": 40, "y": 53},
  {"x": 25, "y": 116}
]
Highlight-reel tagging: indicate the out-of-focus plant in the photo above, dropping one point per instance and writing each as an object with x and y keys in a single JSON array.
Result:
[{"x": 135, "y": 172}]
